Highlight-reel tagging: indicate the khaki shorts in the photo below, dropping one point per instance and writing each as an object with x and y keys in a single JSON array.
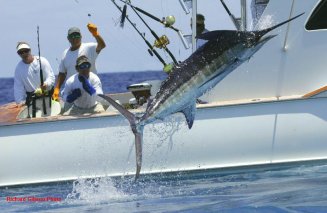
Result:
[{"x": 74, "y": 110}]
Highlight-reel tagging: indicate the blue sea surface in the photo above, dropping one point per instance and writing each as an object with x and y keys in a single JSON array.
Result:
[
  {"x": 300, "y": 188},
  {"x": 111, "y": 82},
  {"x": 284, "y": 188}
]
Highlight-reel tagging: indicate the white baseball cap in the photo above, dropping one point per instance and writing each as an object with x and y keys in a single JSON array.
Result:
[{"x": 23, "y": 46}]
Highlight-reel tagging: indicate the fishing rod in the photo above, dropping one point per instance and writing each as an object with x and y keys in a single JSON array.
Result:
[
  {"x": 167, "y": 22},
  {"x": 151, "y": 50},
  {"x": 234, "y": 20},
  {"x": 41, "y": 72},
  {"x": 161, "y": 42}
]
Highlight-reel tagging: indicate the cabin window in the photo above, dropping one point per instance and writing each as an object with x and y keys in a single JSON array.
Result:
[{"x": 318, "y": 19}]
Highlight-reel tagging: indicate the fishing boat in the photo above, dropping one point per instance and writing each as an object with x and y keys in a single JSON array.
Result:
[{"x": 271, "y": 110}]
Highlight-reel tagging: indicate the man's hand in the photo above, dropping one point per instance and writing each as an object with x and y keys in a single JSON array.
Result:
[
  {"x": 86, "y": 85},
  {"x": 76, "y": 93},
  {"x": 38, "y": 92},
  {"x": 55, "y": 95},
  {"x": 93, "y": 29},
  {"x": 44, "y": 87}
]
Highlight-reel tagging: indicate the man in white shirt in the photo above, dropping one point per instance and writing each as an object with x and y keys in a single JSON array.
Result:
[
  {"x": 77, "y": 48},
  {"x": 82, "y": 89},
  {"x": 200, "y": 29},
  {"x": 27, "y": 75}
]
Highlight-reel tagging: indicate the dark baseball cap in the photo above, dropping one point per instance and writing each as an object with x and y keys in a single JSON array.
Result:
[{"x": 82, "y": 59}]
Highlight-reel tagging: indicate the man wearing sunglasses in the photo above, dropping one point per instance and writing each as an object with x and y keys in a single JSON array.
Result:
[
  {"x": 76, "y": 49},
  {"x": 81, "y": 89},
  {"x": 27, "y": 80}
]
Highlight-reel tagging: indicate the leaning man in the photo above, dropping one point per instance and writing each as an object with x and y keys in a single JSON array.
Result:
[
  {"x": 27, "y": 82},
  {"x": 82, "y": 89}
]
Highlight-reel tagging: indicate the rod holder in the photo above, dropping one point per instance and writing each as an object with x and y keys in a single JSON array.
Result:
[{"x": 185, "y": 8}]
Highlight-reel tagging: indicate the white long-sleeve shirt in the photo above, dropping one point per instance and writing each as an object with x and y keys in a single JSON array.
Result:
[
  {"x": 85, "y": 100},
  {"x": 27, "y": 77},
  {"x": 68, "y": 60}
]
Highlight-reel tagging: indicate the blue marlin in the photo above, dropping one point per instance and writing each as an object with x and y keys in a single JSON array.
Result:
[{"x": 206, "y": 67}]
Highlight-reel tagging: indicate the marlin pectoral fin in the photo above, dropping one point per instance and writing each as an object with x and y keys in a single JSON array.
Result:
[{"x": 189, "y": 114}]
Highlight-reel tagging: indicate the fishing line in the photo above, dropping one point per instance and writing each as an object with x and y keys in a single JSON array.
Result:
[
  {"x": 167, "y": 22},
  {"x": 156, "y": 36},
  {"x": 151, "y": 49}
]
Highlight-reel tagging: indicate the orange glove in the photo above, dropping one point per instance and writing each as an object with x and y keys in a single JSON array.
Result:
[
  {"x": 93, "y": 29},
  {"x": 55, "y": 95}
]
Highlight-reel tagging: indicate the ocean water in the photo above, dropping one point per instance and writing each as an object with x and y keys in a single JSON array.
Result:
[
  {"x": 111, "y": 82},
  {"x": 300, "y": 188},
  {"x": 283, "y": 188}
]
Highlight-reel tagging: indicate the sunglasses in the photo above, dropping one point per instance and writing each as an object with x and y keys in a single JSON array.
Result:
[
  {"x": 84, "y": 66},
  {"x": 72, "y": 36},
  {"x": 21, "y": 52}
]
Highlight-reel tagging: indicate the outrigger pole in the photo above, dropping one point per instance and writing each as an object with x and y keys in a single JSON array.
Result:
[
  {"x": 41, "y": 71},
  {"x": 232, "y": 17},
  {"x": 156, "y": 36},
  {"x": 151, "y": 49},
  {"x": 162, "y": 21}
]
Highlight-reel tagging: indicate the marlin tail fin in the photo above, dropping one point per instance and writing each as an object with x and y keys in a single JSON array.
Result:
[{"x": 136, "y": 128}]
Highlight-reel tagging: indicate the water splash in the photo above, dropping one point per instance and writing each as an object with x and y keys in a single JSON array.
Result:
[
  {"x": 265, "y": 22},
  {"x": 166, "y": 131},
  {"x": 95, "y": 191}
]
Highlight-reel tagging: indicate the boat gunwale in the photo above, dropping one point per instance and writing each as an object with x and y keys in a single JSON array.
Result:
[{"x": 215, "y": 104}]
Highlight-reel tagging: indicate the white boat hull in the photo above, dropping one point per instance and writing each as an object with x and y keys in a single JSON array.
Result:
[{"x": 222, "y": 136}]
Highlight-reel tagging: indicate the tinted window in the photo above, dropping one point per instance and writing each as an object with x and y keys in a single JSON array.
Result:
[{"x": 318, "y": 19}]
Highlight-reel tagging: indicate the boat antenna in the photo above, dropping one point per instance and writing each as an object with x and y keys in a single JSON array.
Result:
[
  {"x": 41, "y": 71},
  {"x": 151, "y": 50},
  {"x": 161, "y": 42},
  {"x": 167, "y": 22}
]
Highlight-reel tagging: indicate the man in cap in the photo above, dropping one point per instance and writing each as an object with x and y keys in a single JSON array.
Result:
[
  {"x": 27, "y": 80},
  {"x": 82, "y": 89},
  {"x": 77, "y": 48},
  {"x": 200, "y": 29}
]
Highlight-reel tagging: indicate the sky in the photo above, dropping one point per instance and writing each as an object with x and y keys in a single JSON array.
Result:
[{"x": 125, "y": 51}]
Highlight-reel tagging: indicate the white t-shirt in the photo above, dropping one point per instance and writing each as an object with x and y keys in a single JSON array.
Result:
[
  {"x": 201, "y": 42},
  {"x": 68, "y": 60},
  {"x": 85, "y": 100},
  {"x": 27, "y": 78}
]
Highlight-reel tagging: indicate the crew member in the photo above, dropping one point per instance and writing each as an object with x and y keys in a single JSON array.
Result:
[
  {"x": 200, "y": 29},
  {"x": 76, "y": 49},
  {"x": 27, "y": 82},
  {"x": 82, "y": 88}
]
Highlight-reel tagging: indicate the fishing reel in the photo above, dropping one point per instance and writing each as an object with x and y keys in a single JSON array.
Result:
[
  {"x": 162, "y": 42},
  {"x": 168, "y": 21}
]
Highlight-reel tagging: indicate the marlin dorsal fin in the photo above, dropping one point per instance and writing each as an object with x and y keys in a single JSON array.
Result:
[
  {"x": 189, "y": 113},
  {"x": 220, "y": 34}
]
